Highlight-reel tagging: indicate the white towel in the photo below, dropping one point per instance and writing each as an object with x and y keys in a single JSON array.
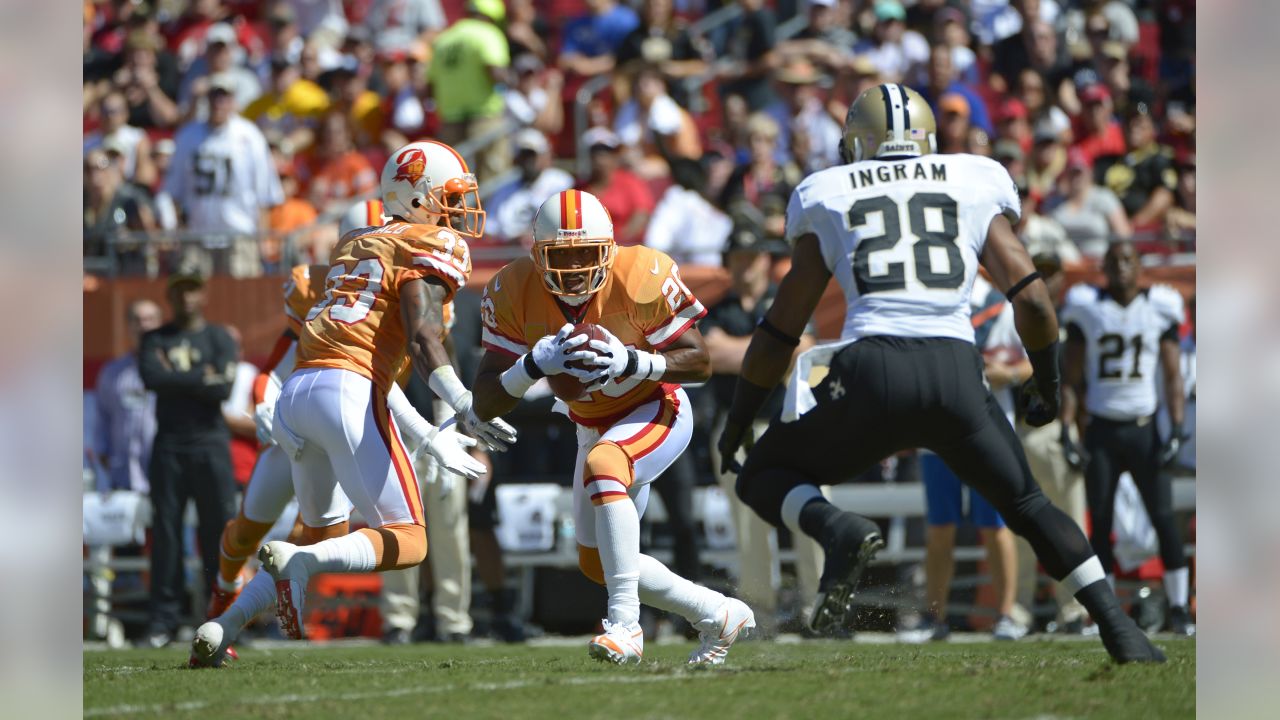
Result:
[{"x": 799, "y": 398}]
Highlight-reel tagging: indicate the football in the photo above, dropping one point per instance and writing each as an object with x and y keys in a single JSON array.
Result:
[{"x": 565, "y": 386}]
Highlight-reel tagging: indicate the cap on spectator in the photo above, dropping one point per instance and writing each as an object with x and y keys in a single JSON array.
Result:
[
  {"x": 279, "y": 63},
  {"x": 948, "y": 14},
  {"x": 532, "y": 140},
  {"x": 187, "y": 274},
  {"x": 798, "y": 71},
  {"x": 601, "y": 137},
  {"x": 890, "y": 10},
  {"x": 1011, "y": 109},
  {"x": 955, "y": 103},
  {"x": 1045, "y": 131},
  {"x": 1077, "y": 160},
  {"x": 527, "y": 63},
  {"x": 495, "y": 10},
  {"x": 863, "y": 66},
  {"x": 220, "y": 33},
  {"x": 142, "y": 40},
  {"x": 748, "y": 236},
  {"x": 1007, "y": 149},
  {"x": 164, "y": 146},
  {"x": 114, "y": 145},
  {"x": 1114, "y": 50},
  {"x": 822, "y": 3},
  {"x": 1095, "y": 93},
  {"x": 222, "y": 82}
]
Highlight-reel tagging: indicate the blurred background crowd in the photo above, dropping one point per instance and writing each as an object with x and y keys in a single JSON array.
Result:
[{"x": 236, "y": 134}]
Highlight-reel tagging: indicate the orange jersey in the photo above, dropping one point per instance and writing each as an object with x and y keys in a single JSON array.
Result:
[
  {"x": 306, "y": 285},
  {"x": 643, "y": 302},
  {"x": 356, "y": 325}
]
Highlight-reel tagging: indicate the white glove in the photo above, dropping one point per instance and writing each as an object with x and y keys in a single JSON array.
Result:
[
  {"x": 617, "y": 362},
  {"x": 263, "y": 414},
  {"x": 496, "y": 434},
  {"x": 449, "y": 448},
  {"x": 553, "y": 353}
]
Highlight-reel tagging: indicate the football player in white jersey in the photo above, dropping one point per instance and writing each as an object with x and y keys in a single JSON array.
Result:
[
  {"x": 903, "y": 230},
  {"x": 1116, "y": 336}
]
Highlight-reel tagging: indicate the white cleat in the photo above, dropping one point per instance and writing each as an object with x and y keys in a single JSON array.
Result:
[
  {"x": 619, "y": 644},
  {"x": 291, "y": 575},
  {"x": 212, "y": 646},
  {"x": 731, "y": 621}
]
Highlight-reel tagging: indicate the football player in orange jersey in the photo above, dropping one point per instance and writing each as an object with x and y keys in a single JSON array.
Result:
[
  {"x": 636, "y": 419},
  {"x": 270, "y": 488},
  {"x": 383, "y": 306}
]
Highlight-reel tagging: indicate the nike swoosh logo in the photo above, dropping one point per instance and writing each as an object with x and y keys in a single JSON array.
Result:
[
  {"x": 497, "y": 282},
  {"x": 655, "y": 266}
]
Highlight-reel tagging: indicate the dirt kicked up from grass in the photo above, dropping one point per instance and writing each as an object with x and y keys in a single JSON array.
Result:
[{"x": 811, "y": 680}]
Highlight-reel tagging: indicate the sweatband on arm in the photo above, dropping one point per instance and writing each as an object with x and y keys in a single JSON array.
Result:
[
  {"x": 1018, "y": 286},
  {"x": 1044, "y": 368},
  {"x": 517, "y": 380},
  {"x": 778, "y": 334},
  {"x": 445, "y": 384},
  {"x": 648, "y": 366}
]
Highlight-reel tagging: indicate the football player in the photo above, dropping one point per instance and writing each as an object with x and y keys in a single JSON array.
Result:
[
  {"x": 233, "y": 603},
  {"x": 635, "y": 419},
  {"x": 903, "y": 230},
  {"x": 1116, "y": 336},
  {"x": 383, "y": 306}
]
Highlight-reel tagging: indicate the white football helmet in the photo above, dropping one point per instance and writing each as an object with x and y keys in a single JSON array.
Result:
[
  {"x": 366, "y": 213},
  {"x": 425, "y": 182},
  {"x": 573, "y": 243}
]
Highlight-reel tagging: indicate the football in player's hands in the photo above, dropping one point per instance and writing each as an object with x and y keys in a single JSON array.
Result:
[{"x": 567, "y": 386}]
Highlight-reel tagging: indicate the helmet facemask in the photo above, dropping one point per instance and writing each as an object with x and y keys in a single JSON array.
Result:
[
  {"x": 574, "y": 265},
  {"x": 457, "y": 201}
]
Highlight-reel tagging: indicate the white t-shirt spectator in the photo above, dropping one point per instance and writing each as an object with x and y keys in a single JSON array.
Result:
[
  {"x": 512, "y": 207},
  {"x": 688, "y": 228},
  {"x": 1042, "y": 235},
  {"x": 634, "y": 126},
  {"x": 825, "y": 136},
  {"x": 1087, "y": 225},
  {"x": 127, "y": 137},
  {"x": 524, "y": 108},
  {"x": 896, "y": 60},
  {"x": 396, "y": 24},
  {"x": 223, "y": 177}
]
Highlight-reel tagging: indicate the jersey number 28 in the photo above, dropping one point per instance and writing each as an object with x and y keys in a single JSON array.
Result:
[{"x": 895, "y": 277}]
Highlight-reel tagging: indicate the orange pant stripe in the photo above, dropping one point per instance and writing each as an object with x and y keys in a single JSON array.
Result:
[
  {"x": 652, "y": 435},
  {"x": 399, "y": 458}
]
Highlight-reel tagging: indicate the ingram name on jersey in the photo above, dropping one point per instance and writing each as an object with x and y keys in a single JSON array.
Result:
[
  {"x": 1122, "y": 346},
  {"x": 903, "y": 238}
]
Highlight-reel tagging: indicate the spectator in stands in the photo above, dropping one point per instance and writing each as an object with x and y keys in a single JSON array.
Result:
[
  {"x": 112, "y": 209},
  {"x": 943, "y": 79},
  {"x": 512, "y": 207},
  {"x": 1048, "y": 160},
  {"x": 1180, "y": 221},
  {"x": 1042, "y": 235},
  {"x": 978, "y": 142},
  {"x": 762, "y": 182},
  {"x": 1009, "y": 154},
  {"x": 291, "y": 108},
  {"x": 1029, "y": 88},
  {"x": 189, "y": 364},
  {"x": 534, "y": 100},
  {"x": 663, "y": 40},
  {"x": 626, "y": 197},
  {"x": 186, "y": 35},
  {"x": 1092, "y": 215},
  {"x": 404, "y": 110},
  {"x": 749, "y": 48},
  {"x": 222, "y": 178},
  {"x": 653, "y": 128},
  {"x": 1104, "y": 20},
  {"x": 860, "y": 75},
  {"x": 1128, "y": 92},
  {"x": 685, "y": 225},
  {"x": 749, "y": 257},
  {"x": 219, "y": 59},
  {"x": 284, "y": 43},
  {"x": 895, "y": 50},
  {"x": 161, "y": 156},
  {"x": 324, "y": 19},
  {"x": 1012, "y": 123},
  {"x": 1098, "y": 133},
  {"x": 133, "y": 143},
  {"x": 1035, "y": 45},
  {"x": 591, "y": 42},
  {"x": 469, "y": 62},
  {"x": 951, "y": 29},
  {"x": 823, "y": 41},
  {"x": 294, "y": 214},
  {"x": 1144, "y": 178},
  {"x": 350, "y": 94},
  {"x": 402, "y": 25},
  {"x": 339, "y": 172},
  {"x": 126, "y": 422},
  {"x": 527, "y": 30},
  {"x": 799, "y": 109},
  {"x": 149, "y": 88},
  {"x": 953, "y": 123}
]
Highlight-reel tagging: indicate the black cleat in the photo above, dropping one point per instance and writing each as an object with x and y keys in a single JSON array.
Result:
[
  {"x": 846, "y": 558},
  {"x": 1127, "y": 643},
  {"x": 1180, "y": 622}
]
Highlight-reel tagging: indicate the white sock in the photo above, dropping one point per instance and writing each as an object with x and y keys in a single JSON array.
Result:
[
  {"x": 1111, "y": 581},
  {"x": 258, "y": 596},
  {"x": 349, "y": 553},
  {"x": 229, "y": 586},
  {"x": 665, "y": 590},
  {"x": 795, "y": 500},
  {"x": 1086, "y": 574},
  {"x": 618, "y": 532},
  {"x": 1176, "y": 586}
]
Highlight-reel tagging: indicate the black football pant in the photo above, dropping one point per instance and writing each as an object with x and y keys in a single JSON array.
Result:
[
  {"x": 1133, "y": 445},
  {"x": 178, "y": 473},
  {"x": 887, "y": 394}
]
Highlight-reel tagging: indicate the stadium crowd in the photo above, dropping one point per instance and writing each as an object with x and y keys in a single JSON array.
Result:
[{"x": 240, "y": 130}]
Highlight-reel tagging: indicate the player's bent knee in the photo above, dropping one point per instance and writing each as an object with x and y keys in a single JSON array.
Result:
[
  {"x": 398, "y": 546},
  {"x": 607, "y": 473},
  {"x": 313, "y": 535},
  {"x": 589, "y": 564}
]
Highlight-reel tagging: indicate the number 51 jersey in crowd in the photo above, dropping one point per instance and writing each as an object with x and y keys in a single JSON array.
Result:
[
  {"x": 356, "y": 325},
  {"x": 903, "y": 238}
]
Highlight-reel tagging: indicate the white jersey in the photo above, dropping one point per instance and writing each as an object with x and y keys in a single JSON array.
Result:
[
  {"x": 1122, "y": 346},
  {"x": 223, "y": 177},
  {"x": 903, "y": 238}
]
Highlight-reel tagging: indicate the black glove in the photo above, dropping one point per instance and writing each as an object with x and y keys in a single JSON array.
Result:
[
  {"x": 1034, "y": 409},
  {"x": 1171, "y": 447},
  {"x": 735, "y": 433},
  {"x": 1076, "y": 457},
  {"x": 748, "y": 398}
]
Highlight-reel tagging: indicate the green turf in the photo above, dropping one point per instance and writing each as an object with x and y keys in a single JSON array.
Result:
[{"x": 761, "y": 680}]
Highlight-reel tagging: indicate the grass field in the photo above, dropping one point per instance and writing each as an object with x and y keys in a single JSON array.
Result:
[{"x": 761, "y": 680}]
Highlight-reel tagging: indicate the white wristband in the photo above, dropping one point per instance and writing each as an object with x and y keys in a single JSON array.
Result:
[
  {"x": 650, "y": 366},
  {"x": 516, "y": 380},
  {"x": 445, "y": 384}
]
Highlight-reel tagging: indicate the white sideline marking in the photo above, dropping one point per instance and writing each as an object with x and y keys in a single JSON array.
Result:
[{"x": 399, "y": 692}]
